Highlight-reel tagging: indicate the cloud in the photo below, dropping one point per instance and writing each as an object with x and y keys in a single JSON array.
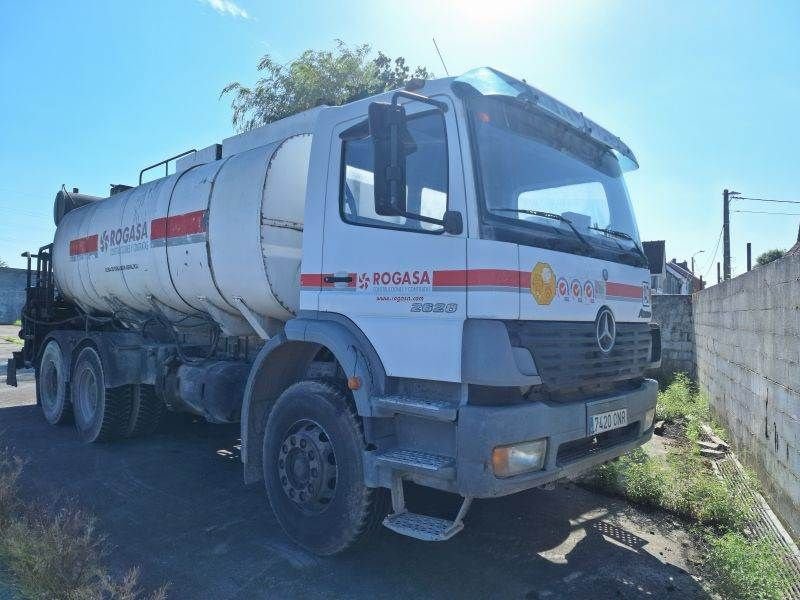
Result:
[{"x": 227, "y": 7}]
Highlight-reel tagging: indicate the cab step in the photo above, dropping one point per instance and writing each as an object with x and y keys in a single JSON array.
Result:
[
  {"x": 422, "y": 527},
  {"x": 435, "y": 410},
  {"x": 405, "y": 460}
]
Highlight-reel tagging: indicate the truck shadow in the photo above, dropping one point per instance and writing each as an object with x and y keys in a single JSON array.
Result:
[{"x": 174, "y": 504}]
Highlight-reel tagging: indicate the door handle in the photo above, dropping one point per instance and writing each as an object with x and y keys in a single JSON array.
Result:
[{"x": 338, "y": 279}]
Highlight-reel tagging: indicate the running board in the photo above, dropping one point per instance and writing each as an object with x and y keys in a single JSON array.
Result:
[
  {"x": 436, "y": 410},
  {"x": 415, "y": 461},
  {"x": 422, "y": 527}
]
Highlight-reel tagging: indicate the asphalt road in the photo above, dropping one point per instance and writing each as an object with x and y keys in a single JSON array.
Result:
[{"x": 174, "y": 504}]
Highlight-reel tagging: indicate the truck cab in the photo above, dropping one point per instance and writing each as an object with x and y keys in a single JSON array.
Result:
[{"x": 503, "y": 282}]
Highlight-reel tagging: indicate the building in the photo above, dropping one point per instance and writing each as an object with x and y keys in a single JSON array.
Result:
[{"x": 679, "y": 279}]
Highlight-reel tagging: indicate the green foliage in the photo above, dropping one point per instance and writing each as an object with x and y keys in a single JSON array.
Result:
[
  {"x": 697, "y": 493},
  {"x": 3, "y": 263},
  {"x": 18, "y": 323},
  {"x": 12, "y": 339},
  {"x": 316, "y": 77},
  {"x": 769, "y": 256},
  {"x": 747, "y": 569},
  {"x": 680, "y": 402},
  {"x": 635, "y": 476}
]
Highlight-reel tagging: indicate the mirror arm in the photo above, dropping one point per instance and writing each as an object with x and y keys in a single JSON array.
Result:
[{"x": 419, "y": 98}]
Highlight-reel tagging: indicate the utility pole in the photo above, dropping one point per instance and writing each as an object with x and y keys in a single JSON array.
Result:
[
  {"x": 749, "y": 256},
  {"x": 726, "y": 234},
  {"x": 719, "y": 278}
]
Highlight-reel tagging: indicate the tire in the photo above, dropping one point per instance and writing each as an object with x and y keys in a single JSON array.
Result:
[
  {"x": 313, "y": 426},
  {"x": 147, "y": 409},
  {"x": 51, "y": 386},
  {"x": 101, "y": 414}
]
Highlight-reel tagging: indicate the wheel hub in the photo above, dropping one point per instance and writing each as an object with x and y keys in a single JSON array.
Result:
[{"x": 307, "y": 466}]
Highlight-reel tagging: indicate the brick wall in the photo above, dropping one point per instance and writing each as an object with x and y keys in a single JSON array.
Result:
[
  {"x": 747, "y": 333},
  {"x": 12, "y": 294},
  {"x": 674, "y": 314}
]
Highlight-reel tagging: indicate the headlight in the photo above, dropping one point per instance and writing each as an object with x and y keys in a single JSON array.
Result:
[
  {"x": 519, "y": 458},
  {"x": 649, "y": 417}
]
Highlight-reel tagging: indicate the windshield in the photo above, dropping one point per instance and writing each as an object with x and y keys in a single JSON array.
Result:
[{"x": 544, "y": 184}]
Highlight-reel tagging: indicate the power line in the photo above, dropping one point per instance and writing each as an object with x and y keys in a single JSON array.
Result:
[
  {"x": 765, "y": 200},
  {"x": 716, "y": 248},
  {"x": 765, "y": 212}
]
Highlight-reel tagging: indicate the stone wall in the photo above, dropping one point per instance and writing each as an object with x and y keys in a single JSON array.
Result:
[
  {"x": 674, "y": 314},
  {"x": 12, "y": 294},
  {"x": 747, "y": 333}
]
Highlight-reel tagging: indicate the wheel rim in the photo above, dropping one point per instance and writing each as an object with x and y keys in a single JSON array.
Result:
[
  {"x": 88, "y": 395},
  {"x": 48, "y": 386},
  {"x": 307, "y": 466}
]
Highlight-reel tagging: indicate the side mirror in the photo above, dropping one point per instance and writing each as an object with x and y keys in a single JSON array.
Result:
[{"x": 387, "y": 127}]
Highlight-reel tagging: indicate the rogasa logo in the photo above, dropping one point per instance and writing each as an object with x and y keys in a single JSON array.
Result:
[{"x": 123, "y": 235}]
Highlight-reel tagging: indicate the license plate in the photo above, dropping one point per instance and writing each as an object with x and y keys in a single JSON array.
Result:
[{"x": 607, "y": 421}]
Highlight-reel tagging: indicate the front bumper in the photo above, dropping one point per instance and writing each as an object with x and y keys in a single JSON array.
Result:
[{"x": 569, "y": 451}]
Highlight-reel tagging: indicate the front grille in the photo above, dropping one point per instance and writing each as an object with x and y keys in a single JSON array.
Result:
[
  {"x": 577, "y": 449},
  {"x": 567, "y": 356}
]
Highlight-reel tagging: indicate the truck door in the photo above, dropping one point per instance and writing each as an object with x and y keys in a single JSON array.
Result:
[{"x": 399, "y": 279}]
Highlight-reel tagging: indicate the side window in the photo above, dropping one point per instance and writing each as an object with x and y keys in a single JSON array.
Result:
[{"x": 426, "y": 178}]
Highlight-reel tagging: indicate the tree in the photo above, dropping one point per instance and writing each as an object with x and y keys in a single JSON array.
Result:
[
  {"x": 3, "y": 263},
  {"x": 769, "y": 256},
  {"x": 316, "y": 77}
]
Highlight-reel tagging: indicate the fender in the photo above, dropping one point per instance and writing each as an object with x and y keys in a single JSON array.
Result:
[{"x": 283, "y": 360}]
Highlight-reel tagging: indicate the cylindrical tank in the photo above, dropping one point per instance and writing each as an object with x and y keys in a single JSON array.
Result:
[{"x": 204, "y": 240}]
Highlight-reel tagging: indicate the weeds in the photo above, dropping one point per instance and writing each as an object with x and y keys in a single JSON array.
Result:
[
  {"x": 56, "y": 553},
  {"x": 747, "y": 569},
  {"x": 684, "y": 484},
  {"x": 13, "y": 339}
]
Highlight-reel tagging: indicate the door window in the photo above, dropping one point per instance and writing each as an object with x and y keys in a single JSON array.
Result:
[{"x": 426, "y": 178}]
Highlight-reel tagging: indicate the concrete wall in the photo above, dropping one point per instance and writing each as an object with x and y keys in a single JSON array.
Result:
[
  {"x": 12, "y": 294},
  {"x": 674, "y": 314},
  {"x": 747, "y": 333}
]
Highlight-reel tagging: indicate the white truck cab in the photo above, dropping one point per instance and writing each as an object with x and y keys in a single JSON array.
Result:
[{"x": 450, "y": 290}]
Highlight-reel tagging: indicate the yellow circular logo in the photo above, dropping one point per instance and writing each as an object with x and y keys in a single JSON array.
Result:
[{"x": 543, "y": 283}]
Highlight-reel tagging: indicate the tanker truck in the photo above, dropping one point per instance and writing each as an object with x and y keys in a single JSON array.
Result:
[{"x": 442, "y": 285}]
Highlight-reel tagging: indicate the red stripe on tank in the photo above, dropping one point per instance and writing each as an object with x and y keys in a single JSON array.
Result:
[
  {"x": 178, "y": 225},
  {"x": 84, "y": 245}
]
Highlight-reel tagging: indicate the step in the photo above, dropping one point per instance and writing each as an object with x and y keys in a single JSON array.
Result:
[
  {"x": 420, "y": 407},
  {"x": 421, "y": 527},
  {"x": 417, "y": 461}
]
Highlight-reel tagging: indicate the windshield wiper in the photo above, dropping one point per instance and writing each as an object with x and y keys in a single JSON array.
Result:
[
  {"x": 624, "y": 236},
  {"x": 547, "y": 215}
]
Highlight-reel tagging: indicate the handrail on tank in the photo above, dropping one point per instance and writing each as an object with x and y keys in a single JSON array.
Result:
[{"x": 164, "y": 162}]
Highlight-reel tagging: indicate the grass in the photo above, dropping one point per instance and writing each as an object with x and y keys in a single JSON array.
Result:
[
  {"x": 684, "y": 483},
  {"x": 18, "y": 323},
  {"x": 56, "y": 552},
  {"x": 13, "y": 339},
  {"x": 747, "y": 569}
]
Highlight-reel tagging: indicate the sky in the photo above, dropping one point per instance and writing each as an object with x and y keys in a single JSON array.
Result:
[{"x": 705, "y": 93}]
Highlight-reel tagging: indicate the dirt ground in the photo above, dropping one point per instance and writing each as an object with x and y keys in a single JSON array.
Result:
[{"x": 175, "y": 505}]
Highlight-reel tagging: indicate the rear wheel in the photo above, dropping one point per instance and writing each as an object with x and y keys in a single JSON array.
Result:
[
  {"x": 51, "y": 385},
  {"x": 313, "y": 469},
  {"x": 101, "y": 414},
  {"x": 147, "y": 410}
]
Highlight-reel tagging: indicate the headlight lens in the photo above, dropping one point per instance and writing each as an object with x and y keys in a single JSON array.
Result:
[
  {"x": 649, "y": 417},
  {"x": 519, "y": 458}
]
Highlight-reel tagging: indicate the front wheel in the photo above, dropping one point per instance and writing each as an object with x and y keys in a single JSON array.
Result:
[{"x": 313, "y": 469}]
